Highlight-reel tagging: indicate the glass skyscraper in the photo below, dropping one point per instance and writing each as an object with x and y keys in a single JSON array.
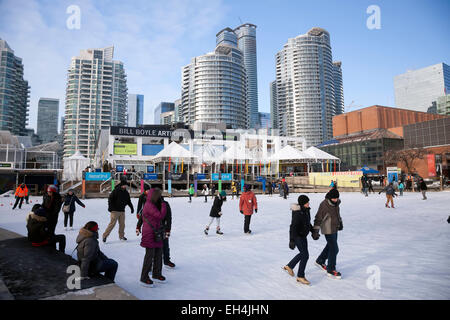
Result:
[
  {"x": 273, "y": 105},
  {"x": 416, "y": 90},
  {"x": 14, "y": 92},
  {"x": 338, "y": 88},
  {"x": 163, "y": 107},
  {"x": 305, "y": 87},
  {"x": 214, "y": 86},
  {"x": 47, "y": 119},
  {"x": 135, "y": 110},
  {"x": 96, "y": 98}
]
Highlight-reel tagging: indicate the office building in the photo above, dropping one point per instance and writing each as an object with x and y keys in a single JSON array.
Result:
[
  {"x": 14, "y": 92},
  {"x": 161, "y": 109},
  {"x": 96, "y": 98},
  {"x": 264, "y": 120},
  {"x": 338, "y": 88},
  {"x": 443, "y": 105},
  {"x": 416, "y": 90},
  {"x": 47, "y": 119},
  {"x": 273, "y": 105},
  {"x": 135, "y": 110}
]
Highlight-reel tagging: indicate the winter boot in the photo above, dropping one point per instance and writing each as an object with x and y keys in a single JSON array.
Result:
[
  {"x": 104, "y": 240},
  {"x": 303, "y": 281},
  {"x": 321, "y": 266},
  {"x": 170, "y": 264},
  {"x": 160, "y": 279},
  {"x": 123, "y": 239},
  {"x": 289, "y": 270},
  {"x": 218, "y": 231},
  {"x": 147, "y": 283},
  {"x": 387, "y": 206},
  {"x": 334, "y": 274},
  {"x": 206, "y": 230}
]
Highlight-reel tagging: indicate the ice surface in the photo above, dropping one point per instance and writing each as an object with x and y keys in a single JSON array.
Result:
[{"x": 409, "y": 244}]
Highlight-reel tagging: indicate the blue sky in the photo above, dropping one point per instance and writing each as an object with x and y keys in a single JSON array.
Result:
[{"x": 155, "y": 39}]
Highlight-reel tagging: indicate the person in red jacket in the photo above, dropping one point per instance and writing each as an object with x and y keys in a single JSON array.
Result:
[{"x": 247, "y": 203}]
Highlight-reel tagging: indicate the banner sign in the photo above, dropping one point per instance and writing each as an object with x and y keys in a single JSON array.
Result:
[
  {"x": 431, "y": 160},
  {"x": 226, "y": 177},
  {"x": 160, "y": 131},
  {"x": 215, "y": 176},
  {"x": 260, "y": 179},
  {"x": 97, "y": 176},
  {"x": 125, "y": 148},
  {"x": 344, "y": 178},
  {"x": 150, "y": 169},
  {"x": 177, "y": 176},
  {"x": 119, "y": 168},
  {"x": 5, "y": 165},
  {"x": 150, "y": 176},
  {"x": 200, "y": 176}
]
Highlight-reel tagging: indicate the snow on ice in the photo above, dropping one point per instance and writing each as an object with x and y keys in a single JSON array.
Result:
[{"x": 400, "y": 253}]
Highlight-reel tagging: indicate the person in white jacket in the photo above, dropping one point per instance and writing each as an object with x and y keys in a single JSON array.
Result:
[{"x": 205, "y": 192}]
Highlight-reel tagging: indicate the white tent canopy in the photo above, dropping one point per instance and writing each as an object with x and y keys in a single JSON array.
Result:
[
  {"x": 235, "y": 153},
  {"x": 289, "y": 153},
  {"x": 174, "y": 151},
  {"x": 318, "y": 154},
  {"x": 74, "y": 166}
]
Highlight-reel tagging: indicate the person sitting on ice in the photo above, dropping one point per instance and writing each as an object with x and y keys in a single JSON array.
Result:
[
  {"x": 91, "y": 259},
  {"x": 216, "y": 212},
  {"x": 298, "y": 231},
  {"x": 328, "y": 220},
  {"x": 39, "y": 233}
]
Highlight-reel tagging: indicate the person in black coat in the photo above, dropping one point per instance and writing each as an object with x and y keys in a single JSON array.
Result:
[
  {"x": 52, "y": 202},
  {"x": 298, "y": 231},
  {"x": 142, "y": 199},
  {"x": 423, "y": 187},
  {"x": 216, "y": 212},
  {"x": 69, "y": 202}
]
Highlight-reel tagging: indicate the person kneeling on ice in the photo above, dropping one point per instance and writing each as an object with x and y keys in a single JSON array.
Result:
[
  {"x": 298, "y": 231},
  {"x": 92, "y": 260},
  {"x": 216, "y": 212},
  {"x": 246, "y": 205},
  {"x": 328, "y": 221},
  {"x": 152, "y": 237}
]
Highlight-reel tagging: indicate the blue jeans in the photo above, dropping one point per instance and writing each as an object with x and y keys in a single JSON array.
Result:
[
  {"x": 302, "y": 257},
  {"x": 329, "y": 252},
  {"x": 109, "y": 267}
]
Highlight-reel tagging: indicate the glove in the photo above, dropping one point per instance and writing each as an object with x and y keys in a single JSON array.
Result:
[
  {"x": 315, "y": 235},
  {"x": 291, "y": 245},
  {"x": 138, "y": 232},
  {"x": 84, "y": 206},
  {"x": 242, "y": 212},
  {"x": 220, "y": 213},
  {"x": 341, "y": 226},
  {"x": 167, "y": 234},
  {"x": 256, "y": 210}
]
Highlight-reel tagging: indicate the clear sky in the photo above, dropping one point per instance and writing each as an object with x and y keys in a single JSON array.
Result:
[{"x": 155, "y": 39}]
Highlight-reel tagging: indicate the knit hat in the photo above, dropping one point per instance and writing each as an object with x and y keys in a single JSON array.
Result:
[
  {"x": 52, "y": 188},
  {"x": 302, "y": 200},
  {"x": 40, "y": 212},
  {"x": 223, "y": 193},
  {"x": 332, "y": 194},
  {"x": 247, "y": 187}
]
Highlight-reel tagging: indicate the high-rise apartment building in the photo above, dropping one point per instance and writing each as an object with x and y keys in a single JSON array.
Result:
[
  {"x": 443, "y": 105},
  {"x": 305, "y": 88},
  {"x": 14, "y": 92},
  {"x": 264, "y": 120},
  {"x": 338, "y": 88},
  {"x": 96, "y": 98},
  {"x": 47, "y": 119},
  {"x": 135, "y": 110},
  {"x": 416, "y": 90},
  {"x": 273, "y": 105},
  {"x": 246, "y": 37},
  {"x": 214, "y": 86}
]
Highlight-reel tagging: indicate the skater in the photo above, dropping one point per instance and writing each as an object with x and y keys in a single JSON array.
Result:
[
  {"x": 365, "y": 185},
  {"x": 69, "y": 207},
  {"x": 423, "y": 187},
  {"x": 205, "y": 192},
  {"x": 286, "y": 189},
  {"x": 191, "y": 192},
  {"x": 370, "y": 185},
  {"x": 246, "y": 205},
  {"x": 216, "y": 212},
  {"x": 20, "y": 194},
  {"x": 52, "y": 202},
  {"x": 92, "y": 260},
  {"x": 152, "y": 237},
  {"x": 38, "y": 232},
  {"x": 401, "y": 187},
  {"x": 141, "y": 202},
  {"x": 298, "y": 231},
  {"x": 390, "y": 194},
  {"x": 233, "y": 191},
  {"x": 117, "y": 201},
  {"x": 328, "y": 221},
  {"x": 281, "y": 189},
  {"x": 269, "y": 188}
]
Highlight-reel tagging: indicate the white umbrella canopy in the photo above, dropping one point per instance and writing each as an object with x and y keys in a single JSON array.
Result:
[
  {"x": 318, "y": 154},
  {"x": 74, "y": 166}
]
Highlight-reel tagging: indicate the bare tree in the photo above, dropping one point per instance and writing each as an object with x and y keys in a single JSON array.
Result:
[{"x": 406, "y": 156}]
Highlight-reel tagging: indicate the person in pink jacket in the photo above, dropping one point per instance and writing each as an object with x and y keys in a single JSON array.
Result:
[{"x": 153, "y": 213}]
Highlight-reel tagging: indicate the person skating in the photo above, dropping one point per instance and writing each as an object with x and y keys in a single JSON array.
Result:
[
  {"x": 365, "y": 185},
  {"x": 216, "y": 212},
  {"x": 141, "y": 201},
  {"x": 20, "y": 194},
  {"x": 370, "y": 185},
  {"x": 269, "y": 189},
  {"x": 328, "y": 221},
  {"x": 390, "y": 194},
  {"x": 247, "y": 204},
  {"x": 205, "y": 192},
  {"x": 117, "y": 201},
  {"x": 423, "y": 187},
  {"x": 52, "y": 202},
  {"x": 298, "y": 231},
  {"x": 191, "y": 192},
  {"x": 69, "y": 208},
  {"x": 152, "y": 237},
  {"x": 92, "y": 260},
  {"x": 401, "y": 187},
  {"x": 234, "y": 191}
]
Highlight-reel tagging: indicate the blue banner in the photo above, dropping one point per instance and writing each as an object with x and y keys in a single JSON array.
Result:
[
  {"x": 119, "y": 168},
  {"x": 97, "y": 176},
  {"x": 150, "y": 176},
  {"x": 226, "y": 176},
  {"x": 260, "y": 179},
  {"x": 215, "y": 176},
  {"x": 150, "y": 169},
  {"x": 201, "y": 176}
]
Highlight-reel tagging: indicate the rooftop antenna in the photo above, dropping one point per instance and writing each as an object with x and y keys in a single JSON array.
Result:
[{"x": 240, "y": 20}]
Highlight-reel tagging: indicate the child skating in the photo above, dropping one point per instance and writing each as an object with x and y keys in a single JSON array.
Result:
[
  {"x": 216, "y": 212},
  {"x": 191, "y": 192}
]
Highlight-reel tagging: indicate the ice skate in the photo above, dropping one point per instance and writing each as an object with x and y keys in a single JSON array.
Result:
[
  {"x": 206, "y": 230},
  {"x": 334, "y": 274},
  {"x": 160, "y": 279},
  {"x": 169, "y": 265},
  {"x": 218, "y": 231},
  {"x": 321, "y": 266},
  {"x": 148, "y": 283},
  {"x": 303, "y": 281},
  {"x": 289, "y": 270}
]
